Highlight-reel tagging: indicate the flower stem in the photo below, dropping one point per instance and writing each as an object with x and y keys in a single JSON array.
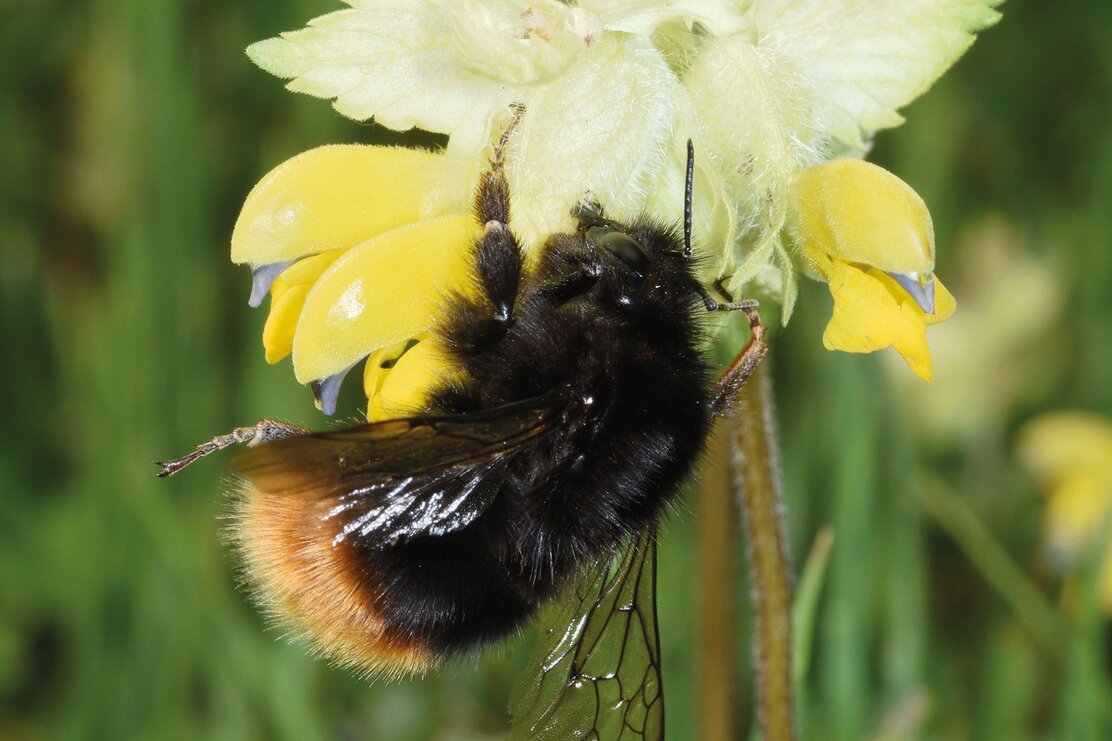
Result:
[
  {"x": 716, "y": 537},
  {"x": 757, "y": 471}
]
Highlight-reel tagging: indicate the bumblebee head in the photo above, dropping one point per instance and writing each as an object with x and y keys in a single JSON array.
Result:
[
  {"x": 614, "y": 243},
  {"x": 635, "y": 267}
]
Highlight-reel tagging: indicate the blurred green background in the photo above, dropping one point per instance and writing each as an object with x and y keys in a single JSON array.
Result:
[{"x": 131, "y": 130}]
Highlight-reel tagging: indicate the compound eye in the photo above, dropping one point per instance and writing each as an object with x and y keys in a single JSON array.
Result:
[{"x": 624, "y": 247}]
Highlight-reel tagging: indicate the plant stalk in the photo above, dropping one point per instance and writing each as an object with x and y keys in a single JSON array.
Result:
[
  {"x": 756, "y": 468},
  {"x": 716, "y": 537}
]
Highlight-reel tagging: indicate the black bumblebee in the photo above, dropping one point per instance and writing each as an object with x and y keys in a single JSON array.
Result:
[{"x": 583, "y": 402}]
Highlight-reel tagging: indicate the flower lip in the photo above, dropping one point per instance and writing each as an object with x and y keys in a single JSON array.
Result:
[{"x": 919, "y": 286}]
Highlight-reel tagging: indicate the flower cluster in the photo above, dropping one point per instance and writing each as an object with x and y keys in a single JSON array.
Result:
[{"x": 780, "y": 98}]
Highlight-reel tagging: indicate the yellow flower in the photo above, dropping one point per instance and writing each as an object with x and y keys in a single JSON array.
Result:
[
  {"x": 1070, "y": 453},
  {"x": 870, "y": 236},
  {"x": 357, "y": 245},
  {"x": 996, "y": 344}
]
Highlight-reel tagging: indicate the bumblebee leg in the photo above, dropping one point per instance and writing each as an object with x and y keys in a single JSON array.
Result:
[
  {"x": 746, "y": 304},
  {"x": 492, "y": 200},
  {"x": 498, "y": 261},
  {"x": 265, "y": 431},
  {"x": 720, "y": 288},
  {"x": 498, "y": 255},
  {"x": 731, "y": 381}
]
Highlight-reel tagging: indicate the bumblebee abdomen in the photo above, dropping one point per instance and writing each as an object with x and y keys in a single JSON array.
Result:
[
  {"x": 451, "y": 593},
  {"x": 384, "y": 611}
]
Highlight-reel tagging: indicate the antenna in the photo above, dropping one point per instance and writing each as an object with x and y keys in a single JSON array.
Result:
[{"x": 687, "y": 200}]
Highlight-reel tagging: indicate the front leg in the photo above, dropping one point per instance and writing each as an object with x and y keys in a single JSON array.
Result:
[
  {"x": 734, "y": 377},
  {"x": 267, "y": 430}
]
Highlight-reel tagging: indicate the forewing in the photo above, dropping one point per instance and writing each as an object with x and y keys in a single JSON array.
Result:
[
  {"x": 394, "y": 480},
  {"x": 595, "y": 672}
]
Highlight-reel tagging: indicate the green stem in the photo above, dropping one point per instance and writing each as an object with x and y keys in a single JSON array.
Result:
[
  {"x": 715, "y": 539},
  {"x": 758, "y": 477}
]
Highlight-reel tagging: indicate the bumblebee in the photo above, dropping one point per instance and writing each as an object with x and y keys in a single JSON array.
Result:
[{"x": 583, "y": 399}]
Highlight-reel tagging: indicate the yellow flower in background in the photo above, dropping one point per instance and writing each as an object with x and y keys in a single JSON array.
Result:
[
  {"x": 870, "y": 236},
  {"x": 612, "y": 90},
  {"x": 1070, "y": 453}
]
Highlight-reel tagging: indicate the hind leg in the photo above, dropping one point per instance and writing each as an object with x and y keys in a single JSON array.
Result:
[{"x": 265, "y": 431}]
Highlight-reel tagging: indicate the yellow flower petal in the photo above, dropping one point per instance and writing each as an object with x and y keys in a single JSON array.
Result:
[
  {"x": 872, "y": 312},
  {"x": 944, "y": 304},
  {"x": 381, "y": 292},
  {"x": 282, "y": 321},
  {"x": 402, "y": 389},
  {"x": 857, "y": 224},
  {"x": 287, "y": 297},
  {"x": 304, "y": 272},
  {"x": 378, "y": 365},
  {"x": 338, "y": 196},
  {"x": 854, "y": 211}
]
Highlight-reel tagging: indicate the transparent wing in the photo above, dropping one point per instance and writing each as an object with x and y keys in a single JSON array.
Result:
[
  {"x": 595, "y": 672},
  {"x": 394, "y": 480}
]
